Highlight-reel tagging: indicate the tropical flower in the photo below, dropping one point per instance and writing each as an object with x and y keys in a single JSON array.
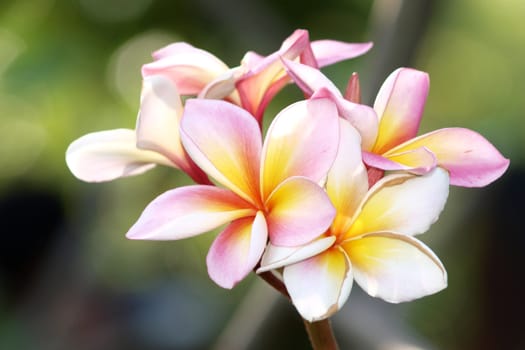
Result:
[
  {"x": 258, "y": 78},
  {"x": 370, "y": 241},
  {"x": 390, "y": 142},
  {"x": 270, "y": 190},
  {"x": 111, "y": 154}
]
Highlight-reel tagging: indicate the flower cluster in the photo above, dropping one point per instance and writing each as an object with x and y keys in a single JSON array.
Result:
[{"x": 335, "y": 192}]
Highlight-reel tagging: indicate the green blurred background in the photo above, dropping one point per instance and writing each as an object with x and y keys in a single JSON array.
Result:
[{"x": 69, "y": 279}]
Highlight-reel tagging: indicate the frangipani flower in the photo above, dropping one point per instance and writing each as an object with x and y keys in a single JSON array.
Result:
[
  {"x": 110, "y": 154},
  {"x": 391, "y": 142},
  {"x": 370, "y": 241},
  {"x": 252, "y": 84},
  {"x": 270, "y": 190}
]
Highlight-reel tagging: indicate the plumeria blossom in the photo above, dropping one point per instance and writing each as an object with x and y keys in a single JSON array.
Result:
[
  {"x": 370, "y": 240},
  {"x": 270, "y": 191},
  {"x": 391, "y": 143},
  {"x": 256, "y": 80},
  {"x": 110, "y": 154}
]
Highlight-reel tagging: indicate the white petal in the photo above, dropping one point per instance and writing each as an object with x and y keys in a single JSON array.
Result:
[
  {"x": 278, "y": 256},
  {"x": 395, "y": 267},
  {"x": 107, "y": 155}
]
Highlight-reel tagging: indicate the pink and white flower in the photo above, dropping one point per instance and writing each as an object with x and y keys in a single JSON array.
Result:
[
  {"x": 270, "y": 192},
  {"x": 370, "y": 240}
]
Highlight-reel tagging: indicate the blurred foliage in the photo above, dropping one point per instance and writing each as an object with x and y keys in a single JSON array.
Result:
[{"x": 68, "y": 68}]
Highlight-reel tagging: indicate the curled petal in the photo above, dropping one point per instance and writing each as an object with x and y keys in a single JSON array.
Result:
[
  {"x": 309, "y": 79},
  {"x": 316, "y": 84},
  {"x": 223, "y": 87},
  {"x": 320, "y": 285},
  {"x": 264, "y": 77},
  {"x": 225, "y": 141},
  {"x": 328, "y": 52},
  {"x": 108, "y": 155},
  {"x": 394, "y": 267},
  {"x": 278, "y": 256},
  {"x": 471, "y": 160},
  {"x": 417, "y": 161},
  {"x": 188, "y": 67},
  {"x": 404, "y": 203},
  {"x": 301, "y": 141},
  {"x": 347, "y": 182},
  {"x": 237, "y": 250},
  {"x": 298, "y": 211},
  {"x": 188, "y": 211},
  {"x": 399, "y": 106}
]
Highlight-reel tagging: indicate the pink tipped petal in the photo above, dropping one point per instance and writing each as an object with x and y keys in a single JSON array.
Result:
[
  {"x": 399, "y": 106},
  {"x": 108, "y": 155},
  {"x": 188, "y": 211},
  {"x": 277, "y": 256},
  {"x": 405, "y": 204},
  {"x": 301, "y": 141},
  {"x": 320, "y": 285},
  {"x": 417, "y": 161},
  {"x": 309, "y": 79},
  {"x": 328, "y": 52},
  {"x": 188, "y": 67},
  {"x": 395, "y": 268},
  {"x": 347, "y": 181},
  {"x": 237, "y": 250},
  {"x": 298, "y": 211},
  {"x": 225, "y": 141},
  {"x": 471, "y": 160}
]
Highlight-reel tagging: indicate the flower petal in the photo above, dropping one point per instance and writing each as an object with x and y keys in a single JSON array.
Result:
[
  {"x": 347, "y": 182},
  {"x": 188, "y": 67},
  {"x": 309, "y": 79},
  {"x": 395, "y": 267},
  {"x": 301, "y": 141},
  {"x": 265, "y": 77},
  {"x": 320, "y": 285},
  {"x": 362, "y": 117},
  {"x": 471, "y": 160},
  {"x": 223, "y": 87},
  {"x": 315, "y": 83},
  {"x": 399, "y": 106},
  {"x": 402, "y": 203},
  {"x": 225, "y": 141},
  {"x": 298, "y": 211},
  {"x": 328, "y": 52},
  {"x": 278, "y": 256},
  {"x": 188, "y": 211},
  {"x": 237, "y": 250},
  {"x": 158, "y": 124},
  {"x": 417, "y": 161},
  {"x": 108, "y": 155}
]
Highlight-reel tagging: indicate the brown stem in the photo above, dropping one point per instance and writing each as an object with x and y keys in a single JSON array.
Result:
[
  {"x": 276, "y": 283},
  {"x": 321, "y": 335}
]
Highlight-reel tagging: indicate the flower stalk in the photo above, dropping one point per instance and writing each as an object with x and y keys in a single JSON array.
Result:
[{"x": 321, "y": 335}]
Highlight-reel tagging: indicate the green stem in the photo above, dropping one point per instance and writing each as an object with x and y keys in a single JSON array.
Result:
[{"x": 321, "y": 335}]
